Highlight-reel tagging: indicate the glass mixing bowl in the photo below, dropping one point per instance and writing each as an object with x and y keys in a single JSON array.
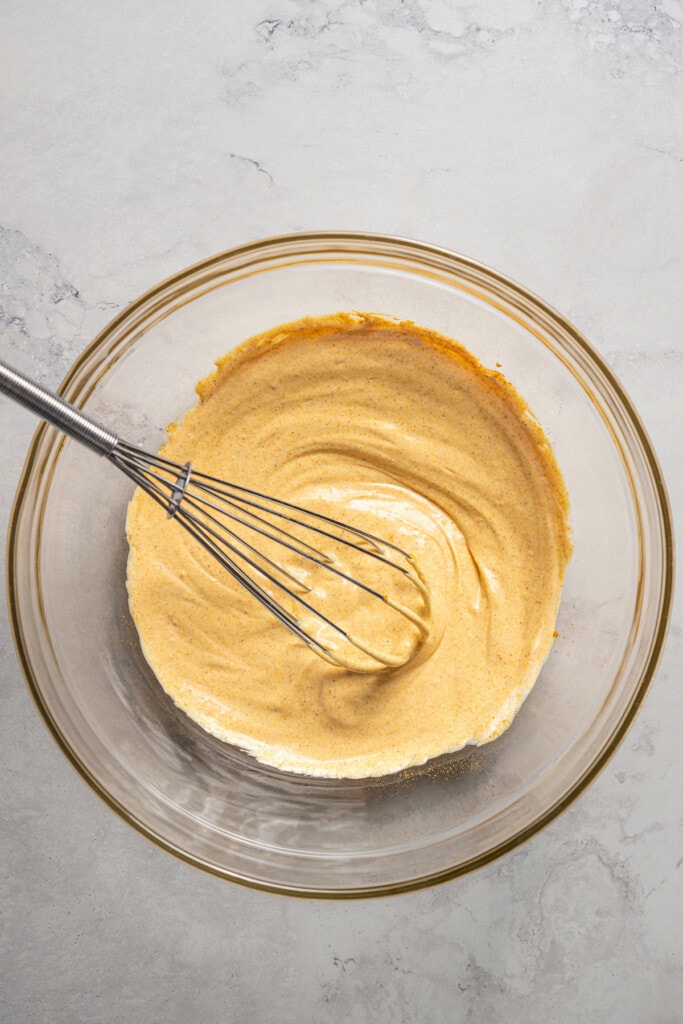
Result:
[{"x": 213, "y": 805}]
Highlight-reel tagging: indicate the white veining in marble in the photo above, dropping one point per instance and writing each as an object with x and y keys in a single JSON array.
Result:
[{"x": 544, "y": 138}]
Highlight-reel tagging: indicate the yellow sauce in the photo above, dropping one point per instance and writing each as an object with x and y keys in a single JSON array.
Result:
[{"x": 401, "y": 432}]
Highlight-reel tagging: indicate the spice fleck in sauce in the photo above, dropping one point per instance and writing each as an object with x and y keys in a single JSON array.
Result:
[{"x": 403, "y": 433}]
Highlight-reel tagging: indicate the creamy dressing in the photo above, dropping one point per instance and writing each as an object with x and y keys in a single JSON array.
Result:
[{"x": 401, "y": 432}]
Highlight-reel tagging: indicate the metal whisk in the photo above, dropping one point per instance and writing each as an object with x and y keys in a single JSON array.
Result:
[{"x": 211, "y": 509}]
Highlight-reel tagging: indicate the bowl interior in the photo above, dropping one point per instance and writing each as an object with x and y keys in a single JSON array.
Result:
[{"x": 214, "y": 805}]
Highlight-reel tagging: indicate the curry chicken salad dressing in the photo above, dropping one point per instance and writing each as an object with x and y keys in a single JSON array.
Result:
[{"x": 403, "y": 433}]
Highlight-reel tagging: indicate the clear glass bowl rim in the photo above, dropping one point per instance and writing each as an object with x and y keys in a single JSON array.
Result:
[{"x": 430, "y": 258}]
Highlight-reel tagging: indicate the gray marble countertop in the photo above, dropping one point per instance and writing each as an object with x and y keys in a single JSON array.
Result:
[{"x": 543, "y": 137}]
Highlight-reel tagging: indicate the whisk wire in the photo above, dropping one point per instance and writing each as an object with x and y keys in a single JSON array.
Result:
[
  {"x": 159, "y": 495},
  {"x": 366, "y": 537},
  {"x": 197, "y": 500}
]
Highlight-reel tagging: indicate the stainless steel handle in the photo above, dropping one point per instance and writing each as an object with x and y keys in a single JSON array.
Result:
[{"x": 56, "y": 411}]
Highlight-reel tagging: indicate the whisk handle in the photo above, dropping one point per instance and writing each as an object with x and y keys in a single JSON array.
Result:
[{"x": 56, "y": 411}]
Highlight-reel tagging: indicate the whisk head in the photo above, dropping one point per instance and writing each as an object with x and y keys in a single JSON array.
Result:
[{"x": 245, "y": 531}]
